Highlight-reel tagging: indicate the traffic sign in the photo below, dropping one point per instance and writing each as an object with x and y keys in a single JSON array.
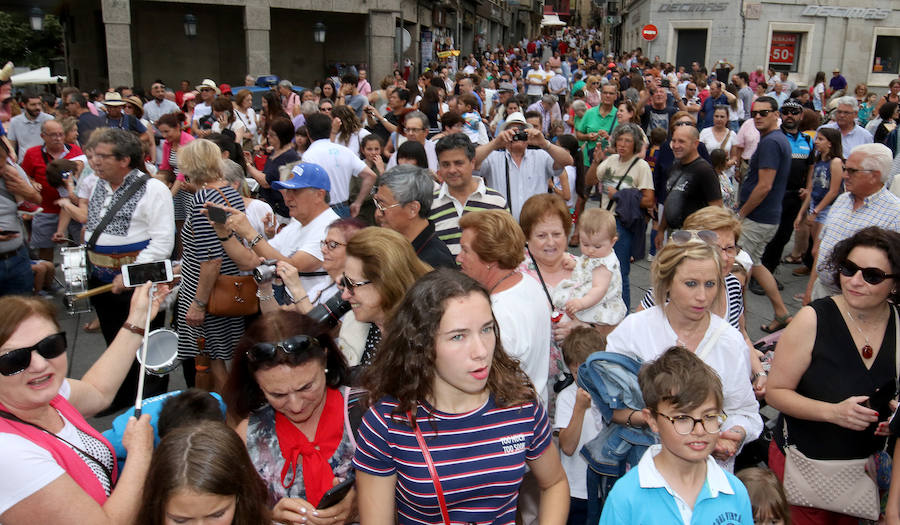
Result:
[{"x": 649, "y": 32}]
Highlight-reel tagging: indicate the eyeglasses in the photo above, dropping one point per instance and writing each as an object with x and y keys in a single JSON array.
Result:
[
  {"x": 854, "y": 171},
  {"x": 791, "y": 111},
  {"x": 332, "y": 245},
  {"x": 684, "y": 424},
  {"x": 292, "y": 345},
  {"x": 18, "y": 360},
  {"x": 104, "y": 156},
  {"x": 325, "y": 108},
  {"x": 685, "y": 236},
  {"x": 872, "y": 276},
  {"x": 382, "y": 208},
  {"x": 761, "y": 112},
  {"x": 415, "y": 130},
  {"x": 351, "y": 286}
]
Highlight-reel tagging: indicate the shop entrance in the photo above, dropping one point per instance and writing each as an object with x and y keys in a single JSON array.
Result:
[{"x": 691, "y": 47}]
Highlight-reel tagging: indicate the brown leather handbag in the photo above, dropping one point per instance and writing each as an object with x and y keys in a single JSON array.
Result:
[{"x": 233, "y": 295}]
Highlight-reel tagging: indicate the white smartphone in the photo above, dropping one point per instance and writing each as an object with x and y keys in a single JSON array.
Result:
[{"x": 137, "y": 274}]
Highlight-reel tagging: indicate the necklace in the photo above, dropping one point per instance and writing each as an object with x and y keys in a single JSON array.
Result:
[
  {"x": 505, "y": 277},
  {"x": 866, "y": 350}
]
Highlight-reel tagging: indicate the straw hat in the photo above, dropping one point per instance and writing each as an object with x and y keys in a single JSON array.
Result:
[
  {"x": 207, "y": 83},
  {"x": 113, "y": 98}
]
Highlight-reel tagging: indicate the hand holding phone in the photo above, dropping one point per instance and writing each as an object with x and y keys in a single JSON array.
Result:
[
  {"x": 217, "y": 214},
  {"x": 336, "y": 493},
  {"x": 134, "y": 275}
]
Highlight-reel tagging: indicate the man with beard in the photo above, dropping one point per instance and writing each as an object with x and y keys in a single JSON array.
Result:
[
  {"x": 159, "y": 105},
  {"x": 24, "y": 131}
]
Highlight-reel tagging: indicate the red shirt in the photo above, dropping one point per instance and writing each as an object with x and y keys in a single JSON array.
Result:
[{"x": 35, "y": 165}]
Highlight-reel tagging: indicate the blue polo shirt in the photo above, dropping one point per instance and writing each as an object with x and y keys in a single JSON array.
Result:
[{"x": 643, "y": 497}]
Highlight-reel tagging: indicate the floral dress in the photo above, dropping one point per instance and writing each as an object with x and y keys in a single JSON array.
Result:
[{"x": 611, "y": 309}]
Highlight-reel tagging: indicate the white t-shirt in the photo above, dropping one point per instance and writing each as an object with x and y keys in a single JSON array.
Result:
[
  {"x": 708, "y": 138},
  {"x": 430, "y": 154},
  {"x": 340, "y": 162},
  {"x": 86, "y": 184},
  {"x": 575, "y": 465},
  {"x": 525, "y": 329},
  {"x": 535, "y": 75},
  {"x": 256, "y": 213},
  {"x": 201, "y": 110},
  {"x": 570, "y": 175},
  {"x": 28, "y": 467},
  {"x": 235, "y": 126},
  {"x": 297, "y": 237},
  {"x": 352, "y": 142}
]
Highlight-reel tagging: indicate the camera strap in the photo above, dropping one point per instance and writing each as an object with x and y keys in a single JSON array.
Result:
[
  {"x": 114, "y": 209},
  {"x": 508, "y": 194}
]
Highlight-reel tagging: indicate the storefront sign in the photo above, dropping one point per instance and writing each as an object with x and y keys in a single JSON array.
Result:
[
  {"x": 692, "y": 8},
  {"x": 866, "y": 13},
  {"x": 784, "y": 46}
]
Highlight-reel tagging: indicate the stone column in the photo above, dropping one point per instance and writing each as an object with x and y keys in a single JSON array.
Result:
[
  {"x": 117, "y": 23},
  {"x": 257, "y": 24},
  {"x": 381, "y": 44}
]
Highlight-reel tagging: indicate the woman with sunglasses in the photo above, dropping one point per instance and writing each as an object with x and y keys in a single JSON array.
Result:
[
  {"x": 380, "y": 267},
  {"x": 687, "y": 279},
  {"x": 284, "y": 392},
  {"x": 834, "y": 373},
  {"x": 56, "y": 468},
  {"x": 455, "y": 419}
]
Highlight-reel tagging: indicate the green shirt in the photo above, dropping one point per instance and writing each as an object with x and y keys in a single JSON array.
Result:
[
  {"x": 592, "y": 122},
  {"x": 577, "y": 85}
]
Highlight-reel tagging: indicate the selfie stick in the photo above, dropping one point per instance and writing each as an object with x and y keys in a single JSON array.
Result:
[{"x": 139, "y": 400}]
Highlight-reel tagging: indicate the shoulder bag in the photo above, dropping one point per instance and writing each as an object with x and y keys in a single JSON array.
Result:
[
  {"x": 233, "y": 295},
  {"x": 619, "y": 185},
  {"x": 438, "y": 491},
  {"x": 837, "y": 485}
]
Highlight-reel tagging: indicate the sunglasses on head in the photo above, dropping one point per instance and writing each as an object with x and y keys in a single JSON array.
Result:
[
  {"x": 17, "y": 361},
  {"x": 292, "y": 345},
  {"x": 761, "y": 112},
  {"x": 870, "y": 275},
  {"x": 685, "y": 236}
]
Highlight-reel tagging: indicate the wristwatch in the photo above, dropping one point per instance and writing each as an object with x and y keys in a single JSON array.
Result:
[{"x": 133, "y": 329}]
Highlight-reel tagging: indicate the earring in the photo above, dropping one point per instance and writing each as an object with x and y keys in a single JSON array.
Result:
[
  {"x": 490, "y": 266},
  {"x": 326, "y": 370}
]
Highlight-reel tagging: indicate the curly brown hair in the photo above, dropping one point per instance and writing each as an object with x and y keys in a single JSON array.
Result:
[{"x": 405, "y": 367}]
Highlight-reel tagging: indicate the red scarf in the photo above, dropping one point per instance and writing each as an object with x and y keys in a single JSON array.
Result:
[{"x": 317, "y": 474}]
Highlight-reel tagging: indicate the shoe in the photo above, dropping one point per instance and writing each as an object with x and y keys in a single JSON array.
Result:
[
  {"x": 790, "y": 259},
  {"x": 755, "y": 287},
  {"x": 779, "y": 323},
  {"x": 28, "y": 208},
  {"x": 803, "y": 270},
  {"x": 649, "y": 257}
]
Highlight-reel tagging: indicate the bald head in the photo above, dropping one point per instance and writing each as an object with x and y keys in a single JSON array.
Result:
[{"x": 684, "y": 143}]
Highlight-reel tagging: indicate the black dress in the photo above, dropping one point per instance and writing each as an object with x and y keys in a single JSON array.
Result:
[{"x": 836, "y": 371}]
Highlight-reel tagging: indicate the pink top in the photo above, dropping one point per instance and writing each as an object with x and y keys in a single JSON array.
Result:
[
  {"x": 364, "y": 87},
  {"x": 167, "y": 148},
  {"x": 748, "y": 138}
]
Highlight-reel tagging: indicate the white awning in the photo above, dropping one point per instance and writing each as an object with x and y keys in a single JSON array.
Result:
[
  {"x": 37, "y": 76},
  {"x": 551, "y": 20}
]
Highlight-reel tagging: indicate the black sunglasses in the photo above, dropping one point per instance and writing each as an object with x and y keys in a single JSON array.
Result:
[
  {"x": 761, "y": 112},
  {"x": 346, "y": 284},
  {"x": 292, "y": 345},
  {"x": 870, "y": 275},
  {"x": 17, "y": 361},
  {"x": 791, "y": 111}
]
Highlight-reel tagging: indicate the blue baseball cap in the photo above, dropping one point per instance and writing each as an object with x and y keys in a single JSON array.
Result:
[{"x": 305, "y": 175}]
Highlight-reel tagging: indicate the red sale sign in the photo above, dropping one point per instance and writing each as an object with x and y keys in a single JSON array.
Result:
[{"x": 783, "y": 48}]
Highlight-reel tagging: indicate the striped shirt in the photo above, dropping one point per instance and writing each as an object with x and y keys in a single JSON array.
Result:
[
  {"x": 733, "y": 293},
  {"x": 446, "y": 211},
  {"x": 479, "y": 457}
]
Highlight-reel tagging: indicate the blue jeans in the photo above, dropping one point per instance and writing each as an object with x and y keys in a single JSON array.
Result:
[
  {"x": 16, "y": 277},
  {"x": 623, "y": 253},
  {"x": 342, "y": 209}
]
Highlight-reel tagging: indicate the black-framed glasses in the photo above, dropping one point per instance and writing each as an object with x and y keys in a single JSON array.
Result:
[
  {"x": 870, "y": 275},
  {"x": 17, "y": 361},
  {"x": 331, "y": 245},
  {"x": 291, "y": 345},
  {"x": 685, "y": 236},
  {"x": 761, "y": 112},
  {"x": 684, "y": 424},
  {"x": 351, "y": 286}
]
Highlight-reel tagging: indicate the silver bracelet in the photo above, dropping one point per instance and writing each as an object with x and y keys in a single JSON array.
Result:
[{"x": 264, "y": 298}]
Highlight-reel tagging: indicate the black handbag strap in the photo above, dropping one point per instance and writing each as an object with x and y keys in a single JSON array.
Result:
[
  {"x": 540, "y": 277},
  {"x": 619, "y": 185},
  {"x": 114, "y": 209},
  {"x": 508, "y": 194}
]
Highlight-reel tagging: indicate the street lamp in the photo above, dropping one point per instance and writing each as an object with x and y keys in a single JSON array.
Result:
[
  {"x": 36, "y": 17},
  {"x": 190, "y": 25},
  {"x": 319, "y": 31}
]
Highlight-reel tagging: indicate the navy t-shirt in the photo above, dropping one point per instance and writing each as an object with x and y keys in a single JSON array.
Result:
[
  {"x": 773, "y": 152},
  {"x": 709, "y": 107}
]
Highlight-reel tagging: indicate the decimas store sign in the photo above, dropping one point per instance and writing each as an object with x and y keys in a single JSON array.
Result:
[{"x": 784, "y": 46}]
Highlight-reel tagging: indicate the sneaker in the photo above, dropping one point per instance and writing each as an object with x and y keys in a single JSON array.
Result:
[{"x": 29, "y": 208}]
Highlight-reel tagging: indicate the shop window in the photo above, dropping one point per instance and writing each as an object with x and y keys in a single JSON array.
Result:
[
  {"x": 887, "y": 55},
  {"x": 784, "y": 52}
]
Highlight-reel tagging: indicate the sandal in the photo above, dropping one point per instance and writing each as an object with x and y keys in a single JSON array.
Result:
[
  {"x": 92, "y": 327},
  {"x": 792, "y": 259},
  {"x": 779, "y": 323}
]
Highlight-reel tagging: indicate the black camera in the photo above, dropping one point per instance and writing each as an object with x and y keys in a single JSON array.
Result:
[
  {"x": 665, "y": 83},
  {"x": 265, "y": 272},
  {"x": 520, "y": 136},
  {"x": 331, "y": 311}
]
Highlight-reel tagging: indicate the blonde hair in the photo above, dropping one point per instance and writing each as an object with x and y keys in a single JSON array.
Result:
[
  {"x": 497, "y": 237},
  {"x": 667, "y": 261},
  {"x": 201, "y": 161},
  {"x": 597, "y": 220},
  {"x": 388, "y": 260},
  {"x": 766, "y": 494},
  {"x": 713, "y": 218}
]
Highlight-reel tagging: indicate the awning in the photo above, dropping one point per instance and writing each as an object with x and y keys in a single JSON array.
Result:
[
  {"x": 37, "y": 76},
  {"x": 551, "y": 20}
]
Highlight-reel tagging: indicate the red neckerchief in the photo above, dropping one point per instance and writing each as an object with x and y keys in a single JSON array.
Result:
[{"x": 317, "y": 474}]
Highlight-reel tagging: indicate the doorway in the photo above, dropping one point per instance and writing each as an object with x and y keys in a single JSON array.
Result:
[{"x": 691, "y": 47}]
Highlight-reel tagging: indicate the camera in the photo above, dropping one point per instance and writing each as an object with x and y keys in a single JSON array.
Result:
[
  {"x": 665, "y": 83},
  {"x": 264, "y": 272},
  {"x": 520, "y": 136},
  {"x": 331, "y": 311}
]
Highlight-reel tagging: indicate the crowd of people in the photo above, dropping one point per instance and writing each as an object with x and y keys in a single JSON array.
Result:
[{"x": 411, "y": 302}]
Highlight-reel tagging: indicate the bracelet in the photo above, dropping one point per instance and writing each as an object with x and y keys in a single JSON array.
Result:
[
  {"x": 200, "y": 303},
  {"x": 757, "y": 375},
  {"x": 223, "y": 239},
  {"x": 264, "y": 298},
  {"x": 300, "y": 300},
  {"x": 628, "y": 421},
  {"x": 256, "y": 240},
  {"x": 133, "y": 329}
]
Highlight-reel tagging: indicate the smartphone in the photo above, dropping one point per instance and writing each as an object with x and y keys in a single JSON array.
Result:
[
  {"x": 138, "y": 274},
  {"x": 336, "y": 493},
  {"x": 217, "y": 214}
]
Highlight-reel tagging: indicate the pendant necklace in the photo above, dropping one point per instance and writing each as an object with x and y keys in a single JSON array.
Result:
[{"x": 866, "y": 350}]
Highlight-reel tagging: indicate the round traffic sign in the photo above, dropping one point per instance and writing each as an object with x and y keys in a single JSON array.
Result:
[{"x": 649, "y": 32}]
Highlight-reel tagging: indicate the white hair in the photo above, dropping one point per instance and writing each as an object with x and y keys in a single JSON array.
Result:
[
  {"x": 847, "y": 101},
  {"x": 875, "y": 157}
]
